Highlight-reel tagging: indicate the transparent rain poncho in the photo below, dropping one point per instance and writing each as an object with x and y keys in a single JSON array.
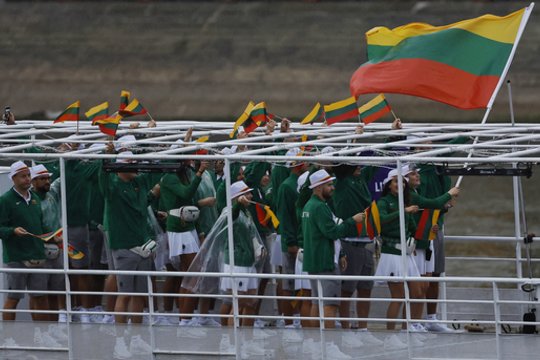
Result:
[
  {"x": 249, "y": 251},
  {"x": 208, "y": 214},
  {"x": 162, "y": 253}
]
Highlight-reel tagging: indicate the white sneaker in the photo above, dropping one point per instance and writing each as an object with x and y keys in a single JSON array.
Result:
[
  {"x": 225, "y": 345},
  {"x": 368, "y": 338},
  {"x": 259, "y": 323},
  {"x": 161, "y": 320},
  {"x": 262, "y": 334},
  {"x": 120, "y": 349},
  {"x": 351, "y": 339},
  {"x": 107, "y": 319},
  {"x": 438, "y": 327},
  {"x": 10, "y": 342},
  {"x": 206, "y": 321},
  {"x": 394, "y": 343},
  {"x": 188, "y": 322},
  {"x": 58, "y": 333},
  {"x": 44, "y": 339},
  {"x": 96, "y": 318},
  {"x": 190, "y": 332},
  {"x": 62, "y": 317},
  {"x": 138, "y": 346},
  {"x": 333, "y": 352},
  {"x": 417, "y": 328},
  {"x": 83, "y": 317},
  {"x": 280, "y": 323},
  {"x": 292, "y": 336}
]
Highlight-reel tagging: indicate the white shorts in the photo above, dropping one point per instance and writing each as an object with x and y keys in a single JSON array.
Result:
[
  {"x": 422, "y": 264},
  {"x": 183, "y": 243},
  {"x": 276, "y": 259},
  {"x": 391, "y": 265},
  {"x": 300, "y": 283},
  {"x": 243, "y": 284}
]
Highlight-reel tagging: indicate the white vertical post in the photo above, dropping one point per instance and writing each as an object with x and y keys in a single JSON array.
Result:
[
  {"x": 227, "y": 171},
  {"x": 497, "y": 313}
]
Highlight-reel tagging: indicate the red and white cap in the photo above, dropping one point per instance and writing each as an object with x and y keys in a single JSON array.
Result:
[
  {"x": 16, "y": 168},
  {"x": 239, "y": 188},
  {"x": 39, "y": 170},
  {"x": 320, "y": 177}
]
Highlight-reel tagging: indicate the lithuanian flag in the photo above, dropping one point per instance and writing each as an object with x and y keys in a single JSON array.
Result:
[
  {"x": 371, "y": 226},
  {"x": 257, "y": 117},
  {"x": 124, "y": 99},
  {"x": 428, "y": 218},
  {"x": 341, "y": 110},
  {"x": 265, "y": 214},
  {"x": 313, "y": 115},
  {"x": 374, "y": 109},
  {"x": 109, "y": 126},
  {"x": 458, "y": 64},
  {"x": 132, "y": 109},
  {"x": 241, "y": 119},
  {"x": 98, "y": 112},
  {"x": 70, "y": 114},
  {"x": 203, "y": 139}
]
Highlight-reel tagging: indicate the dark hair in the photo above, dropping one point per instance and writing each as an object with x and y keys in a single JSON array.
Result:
[
  {"x": 183, "y": 172},
  {"x": 344, "y": 170},
  {"x": 406, "y": 192}
]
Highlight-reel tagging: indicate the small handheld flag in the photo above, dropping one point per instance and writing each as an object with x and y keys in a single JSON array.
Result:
[
  {"x": 314, "y": 115},
  {"x": 241, "y": 119},
  {"x": 132, "y": 109},
  {"x": 124, "y": 99},
  {"x": 109, "y": 126},
  {"x": 98, "y": 112},
  {"x": 70, "y": 114},
  {"x": 341, "y": 110},
  {"x": 374, "y": 109}
]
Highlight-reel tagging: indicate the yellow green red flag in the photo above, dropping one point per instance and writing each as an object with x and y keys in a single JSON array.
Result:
[
  {"x": 313, "y": 115},
  {"x": 98, "y": 112},
  {"x": 241, "y": 119},
  {"x": 70, "y": 114},
  {"x": 374, "y": 109},
  {"x": 341, "y": 110}
]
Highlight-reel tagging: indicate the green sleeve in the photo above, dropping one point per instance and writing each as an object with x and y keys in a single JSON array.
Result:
[
  {"x": 173, "y": 184},
  {"x": 424, "y": 202},
  {"x": 286, "y": 213},
  {"x": 5, "y": 231},
  {"x": 385, "y": 216},
  {"x": 329, "y": 228},
  {"x": 150, "y": 179},
  {"x": 104, "y": 180}
]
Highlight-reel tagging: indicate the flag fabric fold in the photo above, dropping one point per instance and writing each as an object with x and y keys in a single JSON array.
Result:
[
  {"x": 428, "y": 218},
  {"x": 241, "y": 119},
  {"x": 98, "y": 112},
  {"x": 132, "y": 109},
  {"x": 265, "y": 214},
  {"x": 458, "y": 64},
  {"x": 341, "y": 110},
  {"x": 371, "y": 226},
  {"x": 109, "y": 126},
  {"x": 124, "y": 99},
  {"x": 257, "y": 117},
  {"x": 315, "y": 114},
  {"x": 374, "y": 109},
  {"x": 71, "y": 113}
]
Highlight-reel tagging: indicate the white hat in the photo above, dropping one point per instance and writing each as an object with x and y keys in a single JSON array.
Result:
[
  {"x": 122, "y": 143},
  {"x": 292, "y": 152},
  {"x": 409, "y": 168},
  {"x": 301, "y": 180},
  {"x": 124, "y": 158},
  {"x": 327, "y": 150},
  {"x": 239, "y": 188},
  {"x": 176, "y": 144},
  {"x": 17, "y": 167},
  {"x": 39, "y": 170},
  {"x": 392, "y": 173},
  {"x": 229, "y": 151},
  {"x": 319, "y": 177}
]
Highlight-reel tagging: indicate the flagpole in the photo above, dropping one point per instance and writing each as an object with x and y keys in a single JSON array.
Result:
[
  {"x": 150, "y": 116},
  {"x": 394, "y": 114},
  {"x": 521, "y": 29},
  {"x": 77, "y": 127}
]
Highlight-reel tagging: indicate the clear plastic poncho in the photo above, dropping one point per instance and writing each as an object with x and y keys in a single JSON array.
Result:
[
  {"x": 214, "y": 252},
  {"x": 208, "y": 214}
]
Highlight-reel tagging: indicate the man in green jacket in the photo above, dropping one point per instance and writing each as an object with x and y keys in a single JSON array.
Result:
[
  {"x": 320, "y": 232},
  {"x": 20, "y": 216}
]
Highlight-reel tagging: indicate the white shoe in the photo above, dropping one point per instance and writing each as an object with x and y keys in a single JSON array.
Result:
[
  {"x": 58, "y": 333},
  {"x": 107, "y": 319},
  {"x": 190, "y": 332},
  {"x": 138, "y": 346},
  {"x": 120, "y": 349},
  {"x": 161, "y": 320},
  {"x": 292, "y": 336},
  {"x": 262, "y": 334},
  {"x": 188, "y": 322},
  {"x": 206, "y": 321},
  {"x": 333, "y": 352},
  {"x": 96, "y": 318},
  {"x": 62, "y": 317},
  {"x": 438, "y": 327},
  {"x": 417, "y": 328},
  {"x": 225, "y": 345},
  {"x": 280, "y": 323},
  {"x": 10, "y": 342},
  {"x": 351, "y": 339},
  {"x": 259, "y": 323},
  {"x": 368, "y": 338},
  {"x": 394, "y": 343},
  {"x": 83, "y": 317}
]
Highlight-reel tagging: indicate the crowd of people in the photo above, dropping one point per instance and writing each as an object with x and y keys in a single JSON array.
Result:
[{"x": 177, "y": 222}]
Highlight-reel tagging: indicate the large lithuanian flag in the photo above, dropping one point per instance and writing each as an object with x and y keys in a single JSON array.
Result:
[{"x": 458, "y": 64}]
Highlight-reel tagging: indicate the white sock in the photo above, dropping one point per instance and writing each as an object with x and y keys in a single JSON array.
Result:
[{"x": 432, "y": 317}]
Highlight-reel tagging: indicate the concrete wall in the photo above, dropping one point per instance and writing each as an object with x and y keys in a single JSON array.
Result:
[{"x": 205, "y": 60}]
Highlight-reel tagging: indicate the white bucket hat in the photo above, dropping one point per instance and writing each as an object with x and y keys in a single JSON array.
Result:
[
  {"x": 319, "y": 177},
  {"x": 301, "y": 180},
  {"x": 123, "y": 158},
  {"x": 394, "y": 172},
  {"x": 125, "y": 142},
  {"x": 239, "y": 188},
  {"x": 16, "y": 168},
  {"x": 292, "y": 152},
  {"x": 39, "y": 170}
]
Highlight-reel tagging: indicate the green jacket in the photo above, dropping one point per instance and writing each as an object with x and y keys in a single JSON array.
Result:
[
  {"x": 208, "y": 214},
  {"x": 221, "y": 200},
  {"x": 15, "y": 212},
  {"x": 175, "y": 194},
  {"x": 51, "y": 207},
  {"x": 79, "y": 175},
  {"x": 286, "y": 212},
  {"x": 278, "y": 176},
  {"x": 253, "y": 175},
  {"x": 97, "y": 206},
  {"x": 319, "y": 233},
  {"x": 243, "y": 233},
  {"x": 389, "y": 214},
  {"x": 126, "y": 208}
]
